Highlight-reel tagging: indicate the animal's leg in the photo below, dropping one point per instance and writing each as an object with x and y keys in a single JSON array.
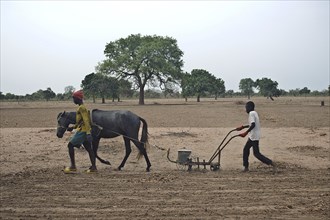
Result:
[
  {"x": 71, "y": 154},
  {"x": 88, "y": 147},
  {"x": 128, "y": 152},
  {"x": 95, "y": 147},
  {"x": 143, "y": 151}
]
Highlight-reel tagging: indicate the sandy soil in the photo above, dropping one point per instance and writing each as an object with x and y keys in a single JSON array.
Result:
[{"x": 295, "y": 134}]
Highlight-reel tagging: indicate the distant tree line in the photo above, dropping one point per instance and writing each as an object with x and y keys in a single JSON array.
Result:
[
  {"x": 268, "y": 88},
  {"x": 47, "y": 95},
  {"x": 127, "y": 92},
  {"x": 151, "y": 66}
]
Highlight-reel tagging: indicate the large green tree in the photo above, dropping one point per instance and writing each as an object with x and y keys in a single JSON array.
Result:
[
  {"x": 89, "y": 85},
  {"x": 48, "y": 94},
  {"x": 100, "y": 85},
  {"x": 267, "y": 87},
  {"x": 199, "y": 82},
  {"x": 246, "y": 86},
  {"x": 155, "y": 60},
  {"x": 218, "y": 87},
  {"x": 305, "y": 91}
]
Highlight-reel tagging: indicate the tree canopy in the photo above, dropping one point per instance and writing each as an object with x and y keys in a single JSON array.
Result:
[
  {"x": 267, "y": 87},
  {"x": 246, "y": 86},
  {"x": 143, "y": 59},
  {"x": 48, "y": 94},
  {"x": 100, "y": 85},
  {"x": 304, "y": 91},
  {"x": 200, "y": 82}
]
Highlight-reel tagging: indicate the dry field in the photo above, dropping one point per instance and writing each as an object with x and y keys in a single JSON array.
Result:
[{"x": 295, "y": 134}]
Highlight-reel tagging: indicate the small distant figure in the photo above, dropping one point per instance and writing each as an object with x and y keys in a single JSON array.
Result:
[{"x": 253, "y": 140}]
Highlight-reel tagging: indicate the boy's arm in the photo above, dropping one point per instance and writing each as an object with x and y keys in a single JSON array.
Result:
[
  {"x": 251, "y": 127},
  {"x": 75, "y": 126},
  {"x": 248, "y": 130}
]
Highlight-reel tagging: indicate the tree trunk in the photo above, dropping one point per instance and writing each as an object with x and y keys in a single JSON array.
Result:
[
  {"x": 198, "y": 98},
  {"x": 103, "y": 100},
  {"x": 141, "y": 96}
]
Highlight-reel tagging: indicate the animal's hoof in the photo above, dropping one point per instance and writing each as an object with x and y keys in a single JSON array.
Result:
[{"x": 148, "y": 169}]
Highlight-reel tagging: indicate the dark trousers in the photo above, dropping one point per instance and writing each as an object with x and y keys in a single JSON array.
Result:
[{"x": 256, "y": 153}]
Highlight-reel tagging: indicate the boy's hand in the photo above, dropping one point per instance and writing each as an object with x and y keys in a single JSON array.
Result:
[
  {"x": 240, "y": 128},
  {"x": 243, "y": 134}
]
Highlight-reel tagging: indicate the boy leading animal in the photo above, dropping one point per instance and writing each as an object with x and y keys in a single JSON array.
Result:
[{"x": 82, "y": 135}]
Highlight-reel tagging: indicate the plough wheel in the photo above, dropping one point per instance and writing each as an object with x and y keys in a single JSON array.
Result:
[
  {"x": 181, "y": 166},
  {"x": 214, "y": 167}
]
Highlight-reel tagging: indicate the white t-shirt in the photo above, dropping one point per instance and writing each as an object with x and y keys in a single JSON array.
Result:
[{"x": 254, "y": 134}]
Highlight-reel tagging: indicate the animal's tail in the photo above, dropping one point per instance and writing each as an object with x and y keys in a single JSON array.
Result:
[{"x": 144, "y": 137}]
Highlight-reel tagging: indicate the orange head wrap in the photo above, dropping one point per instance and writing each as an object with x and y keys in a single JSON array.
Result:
[{"x": 78, "y": 94}]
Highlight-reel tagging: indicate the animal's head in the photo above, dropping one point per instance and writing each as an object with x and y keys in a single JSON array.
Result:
[{"x": 62, "y": 123}]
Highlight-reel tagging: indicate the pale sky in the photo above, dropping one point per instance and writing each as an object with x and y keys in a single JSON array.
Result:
[{"x": 57, "y": 43}]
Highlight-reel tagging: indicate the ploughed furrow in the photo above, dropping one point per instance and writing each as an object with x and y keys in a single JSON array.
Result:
[{"x": 172, "y": 194}]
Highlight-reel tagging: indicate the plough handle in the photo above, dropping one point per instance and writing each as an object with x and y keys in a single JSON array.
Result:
[
  {"x": 219, "y": 149},
  {"x": 168, "y": 157}
]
